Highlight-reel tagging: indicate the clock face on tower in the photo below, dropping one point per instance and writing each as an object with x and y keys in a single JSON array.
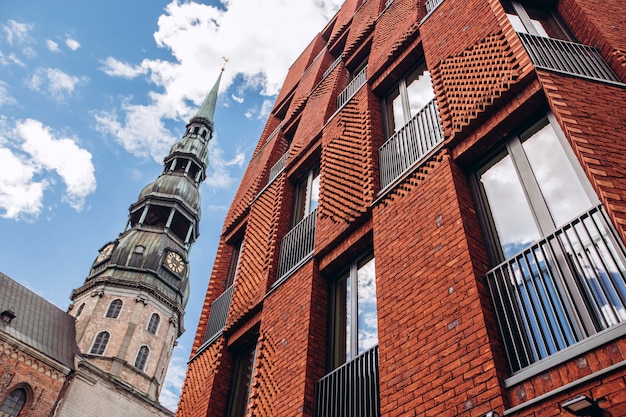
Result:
[
  {"x": 105, "y": 252},
  {"x": 175, "y": 262}
]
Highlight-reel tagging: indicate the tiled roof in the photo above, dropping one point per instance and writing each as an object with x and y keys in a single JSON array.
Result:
[{"x": 38, "y": 323}]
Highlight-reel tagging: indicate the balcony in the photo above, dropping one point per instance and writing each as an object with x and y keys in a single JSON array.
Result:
[
  {"x": 410, "y": 145},
  {"x": 296, "y": 247},
  {"x": 350, "y": 390},
  {"x": 560, "y": 291},
  {"x": 432, "y": 5},
  {"x": 217, "y": 318},
  {"x": 277, "y": 168},
  {"x": 357, "y": 82},
  {"x": 567, "y": 58}
]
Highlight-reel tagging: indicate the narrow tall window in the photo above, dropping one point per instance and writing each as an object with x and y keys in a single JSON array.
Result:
[
  {"x": 100, "y": 343},
  {"x": 241, "y": 382},
  {"x": 355, "y": 317},
  {"x": 80, "y": 309},
  {"x": 234, "y": 264},
  {"x": 13, "y": 403},
  {"x": 153, "y": 324},
  {"x": 306, "y": 195},
  {"x": 114, "y": 309},
  {"x": 142, "y": 357},
  {"x": 411, "y": 94}
]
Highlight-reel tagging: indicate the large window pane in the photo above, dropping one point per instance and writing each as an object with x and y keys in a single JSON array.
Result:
[
  {"x": 514, "y": 222},
  {"x": 367, "y": 313},
  {"x": 419, "y": 91},
  {"x": 562, "y": 192}
]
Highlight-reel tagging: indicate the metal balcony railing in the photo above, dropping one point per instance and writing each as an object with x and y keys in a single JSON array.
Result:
[
  {"x": 219, "y": 313},
  {"x": 567, "y": 57},
  {"x": 432, "y": 5},
  {"x": 350, "y": 390},
  {"x": 357, "y": 82},
  {"x": 561, "y": 290},
  {"x": 332, "y": 67},
  {"x": 277, "y": 168},
  {"x": 410, "y": 144},
  {"x": 297, "y": 246}
]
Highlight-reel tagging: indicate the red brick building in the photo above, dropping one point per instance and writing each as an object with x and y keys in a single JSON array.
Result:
[{"x": 432, "y": 223}]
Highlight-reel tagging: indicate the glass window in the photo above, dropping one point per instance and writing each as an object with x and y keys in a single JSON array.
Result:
[
  {"x": 531, "y": 189},
  {"x": 306, "y": 195},
  {"x": 355, "y": 318},
  {"x": 142, "y": 357},
  {"x": 560, "y": 274},
  {"x": 234, "y": 265},
  {"x": 153, "y": 324},
  {"x": 13, "y": 403},
  {"x": 114, "y": 309},
  {"x": 80, "y": 309},
  {"x": 243, "y": 373},
  {"x": 407, "y": 98},
  {"x": 100, "y": 344},
  {"x": 541, "y": 22}
]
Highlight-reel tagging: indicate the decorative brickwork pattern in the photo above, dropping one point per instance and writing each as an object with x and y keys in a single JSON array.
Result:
[
  {"x": 198, "y": 385},
  {"x": 472, "y": 81},
  {"x": 395, "y": 28},
  {"x": 309, "y": 80},
  {"x": 362, "y": 24},
  {"x": 343, "y": 20},
  {"x": 259, "y": 255},
  {"x": 253, "y": 181},
  {"x": 321, "y": 104},
  {"x": 265, "y": 391}
]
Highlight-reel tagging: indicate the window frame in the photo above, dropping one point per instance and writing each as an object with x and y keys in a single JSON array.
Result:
[
  {"x": 400, "y": 90},
  {"x": 142, "y": 356},
  {"x": 114, "y": 311},
  {"x": 233, "y": 266},
  {"x": 11, "y": 412},
  {"x": 304, "y": 193},
  {"x": 534, "y": 197},
  {"x": 153, "y": 328},
  {"x": 101, "y": 346},
  {"x": 339, "y": 333},
  {"x": 241, "y": 381},
  {"x": 523, "y": 12}
]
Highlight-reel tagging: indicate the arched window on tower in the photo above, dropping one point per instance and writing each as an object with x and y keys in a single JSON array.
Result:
[
  {"x": 114, "y": 309},
  {"x": 142, "y": 357},
  {"x": 80, "y": 309},
  {"x": 100, "y": 343},
  {"x": 153, "y": 324},
  {"x": 14, "y": 403}
]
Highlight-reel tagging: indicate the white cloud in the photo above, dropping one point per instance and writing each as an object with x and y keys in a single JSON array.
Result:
[
  {"x": 5, "y": 96},
  {"x": 174, "y": 379},
  {"x": 73, "y": 44},
  {"x": 218, "y": 174},
  {"x": 252, "y": 34},
  {"x": 16, "y": 32},
  {"x": 237, "y": 99},
  {"x": 52, "y": 45},
  {"x": 58, "y": 84},
  {"x": 30, "y": 156},
  {"x": 116, "y": 68},
  {"x": 11, "y": 59}
]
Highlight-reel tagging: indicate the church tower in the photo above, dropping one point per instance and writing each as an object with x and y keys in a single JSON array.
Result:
[{"x": 129, "y": 311}]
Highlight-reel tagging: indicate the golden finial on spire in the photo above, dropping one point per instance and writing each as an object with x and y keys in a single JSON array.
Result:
[{"x": 225, "y": 61}]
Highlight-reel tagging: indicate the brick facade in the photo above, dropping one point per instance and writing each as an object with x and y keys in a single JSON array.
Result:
[{"x": 440, "y": 348}]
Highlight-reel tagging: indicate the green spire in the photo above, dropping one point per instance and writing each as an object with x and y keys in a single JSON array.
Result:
[{"x": 207, "y": 110}]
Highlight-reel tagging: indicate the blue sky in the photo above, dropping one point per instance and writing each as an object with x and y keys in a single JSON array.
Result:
[{"x": 93, "y": 94}]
